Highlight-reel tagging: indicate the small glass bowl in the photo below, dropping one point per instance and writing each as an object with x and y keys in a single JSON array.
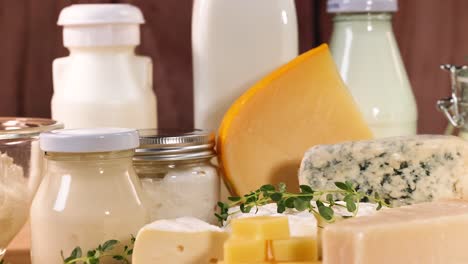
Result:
[{"x": 20, "y": 171}]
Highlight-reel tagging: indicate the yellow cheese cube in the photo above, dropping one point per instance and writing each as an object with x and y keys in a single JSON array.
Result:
[
  {"x": 261, "y": 227},
  {"x": 245, "y": 251},
  {"x": 295, "y": 249}
]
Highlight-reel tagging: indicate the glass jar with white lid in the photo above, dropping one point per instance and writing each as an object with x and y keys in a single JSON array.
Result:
[
  {"x": 90, "y": 192},
  {"x": 177, "y": 173}
]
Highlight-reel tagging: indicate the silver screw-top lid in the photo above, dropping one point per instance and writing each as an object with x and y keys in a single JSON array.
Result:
[{"x": 175, "y": 144}]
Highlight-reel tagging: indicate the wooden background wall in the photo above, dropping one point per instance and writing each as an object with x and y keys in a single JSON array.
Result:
[{"x": 429, "y": 32}]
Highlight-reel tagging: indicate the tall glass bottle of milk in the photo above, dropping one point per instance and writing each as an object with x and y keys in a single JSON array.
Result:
[
  {"x": 367, "y": 55},
  {"x": 236, "y": 43},
  {"x": 102, "y": 82}
]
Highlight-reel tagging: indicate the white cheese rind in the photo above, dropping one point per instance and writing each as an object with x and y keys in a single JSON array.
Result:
[
  {"x": 183, "y": 241},
  {"x": 404, "y": 170},
  {"x": 182, "y": 224}
]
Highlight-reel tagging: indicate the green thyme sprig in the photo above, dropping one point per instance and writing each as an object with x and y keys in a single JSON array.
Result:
[
  {"x": 94, "y": 256},
  {"x": 319, "y": 202}
]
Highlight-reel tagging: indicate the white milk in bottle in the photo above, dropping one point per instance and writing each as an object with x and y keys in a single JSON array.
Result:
[
  {"x": 102, "y": 82},
  {"x": 367, "y": 55},
  {"x": 236, "y": 43}
]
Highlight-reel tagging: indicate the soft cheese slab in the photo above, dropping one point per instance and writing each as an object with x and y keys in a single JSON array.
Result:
[
  {"x": 184, "y": 240},
  {"x": 424, "y": 233},
  {"x": 404, "y": 170}
]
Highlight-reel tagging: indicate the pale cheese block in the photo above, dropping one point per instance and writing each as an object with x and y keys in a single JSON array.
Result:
[
  {"x": 403, "y": 170},
  {"x": 435, "y": 233},
  {"x": 183, "y": 240},
  {"x": 265, "y": 133}
]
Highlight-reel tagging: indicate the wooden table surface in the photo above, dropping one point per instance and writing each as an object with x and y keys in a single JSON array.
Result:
[{"x": 18, "y": 250}]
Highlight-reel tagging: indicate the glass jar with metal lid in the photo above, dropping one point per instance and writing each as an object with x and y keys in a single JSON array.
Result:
[{"x": 177, "y": 173}]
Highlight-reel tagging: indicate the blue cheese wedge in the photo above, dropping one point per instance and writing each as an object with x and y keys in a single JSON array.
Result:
[{"x": 403, "y": 170}]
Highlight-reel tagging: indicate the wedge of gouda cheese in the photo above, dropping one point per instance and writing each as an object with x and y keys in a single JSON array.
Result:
[{"x": 265, "y": 133}]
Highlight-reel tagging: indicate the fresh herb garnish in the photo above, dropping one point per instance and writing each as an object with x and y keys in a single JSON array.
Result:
[
  {"x": 319, "y": 202},
  {"x": 94, "y": 256}
]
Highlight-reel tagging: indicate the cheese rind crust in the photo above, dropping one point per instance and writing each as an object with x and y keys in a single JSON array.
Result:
[
  {"x": 432, "y": 232},
  {"x": 403, "y": 170}
]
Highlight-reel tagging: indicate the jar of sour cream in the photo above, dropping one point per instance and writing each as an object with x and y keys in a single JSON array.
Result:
[
  {"x": 177, "y": 173},
  {"x": 90, "y": 193}
]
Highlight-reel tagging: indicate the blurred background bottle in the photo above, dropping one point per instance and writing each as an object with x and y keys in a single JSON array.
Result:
[
  {"x": 102, "y": 82},
  {"x": 234, "y": 44},
  {"x": 367, "y": 55}
]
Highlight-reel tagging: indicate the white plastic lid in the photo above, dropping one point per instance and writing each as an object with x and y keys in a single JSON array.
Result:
[
  {"x": 89, "y": 140},
  {"x": 101, "y": 24},
  {"x": 356, "y": 6}
]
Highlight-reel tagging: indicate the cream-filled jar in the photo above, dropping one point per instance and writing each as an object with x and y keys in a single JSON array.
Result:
[
  {"x": 90, "y": 192},
  {"x": 177, "y": 173}
]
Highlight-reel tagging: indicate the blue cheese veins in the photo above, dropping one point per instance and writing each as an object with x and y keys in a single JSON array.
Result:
[{"x": 403, "y": 170}]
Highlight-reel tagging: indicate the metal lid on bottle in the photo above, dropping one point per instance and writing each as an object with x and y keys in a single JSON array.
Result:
[
  {"x": 175, "y": 144},
  {"x": 361, "y": 6}
]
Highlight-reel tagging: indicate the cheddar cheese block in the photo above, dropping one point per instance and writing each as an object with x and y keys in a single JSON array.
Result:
[
  {"x": 265, "y": 133},
  {"x": 261, "y": 228},
  {"x": 403, "y": 170},
  {"x": 266, "y": 239},
  {"x": 245, "y": 251},
  {"x": 295, "y": 249},
  {"x": 434, "y": 232}
]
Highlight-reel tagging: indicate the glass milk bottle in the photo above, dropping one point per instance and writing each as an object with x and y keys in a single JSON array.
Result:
[
  {"x": 234, "y": 44},
  {"x": 90, "y": 193},
  {"x": 102, "y": 83},
  {"x": 367, "y": 55}
]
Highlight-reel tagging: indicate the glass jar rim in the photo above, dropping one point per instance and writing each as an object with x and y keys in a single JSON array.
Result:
[{"x": 25, "y": 127}]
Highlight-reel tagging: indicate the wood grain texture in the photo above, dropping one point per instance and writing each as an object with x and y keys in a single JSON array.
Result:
[
  {"x": 429, "y": 32},
  {"x": 307, "y": 24},
  {"x": 166, "y": 38}
]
